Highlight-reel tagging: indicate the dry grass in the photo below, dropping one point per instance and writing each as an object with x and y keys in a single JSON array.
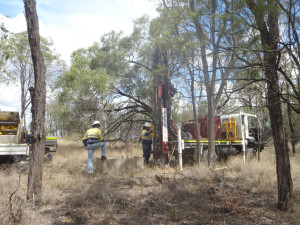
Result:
[{"x": 236, "y": 193}]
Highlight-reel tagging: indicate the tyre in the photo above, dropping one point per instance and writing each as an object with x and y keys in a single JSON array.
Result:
[
  {"x": 188, "y": 155},
  {"x": 250, "y": 153},
  {"x": 47, "y": 149}
]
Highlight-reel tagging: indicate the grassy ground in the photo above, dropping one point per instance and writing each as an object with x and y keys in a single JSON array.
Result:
[{"x": 235, "y": 193}]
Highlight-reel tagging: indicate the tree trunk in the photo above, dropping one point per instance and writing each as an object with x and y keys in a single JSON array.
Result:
[
  {"x": 195, "y": 116},
  {"x": 292, "y": 130},
  {"x": 291, "y": 125},
  {"x": 269, "y": 34},
  {"x": 284, "y": 178},
  {"x": 38, "y": 99},
  {"x": 209, "y": 81},
  {"x": 211, "y": 133},
  {"x": 23, "y": 97},
  {"x": 211, "y": 90}
]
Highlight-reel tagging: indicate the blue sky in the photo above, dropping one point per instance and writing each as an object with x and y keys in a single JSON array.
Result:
[
  {"x": 11, "y": 8},
  {"x": 75, "y": 23},
  {"x": 71, "y": 24}
]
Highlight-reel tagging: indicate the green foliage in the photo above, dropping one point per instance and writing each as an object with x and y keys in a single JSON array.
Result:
[
  {"x": 21, "y": 62},
  {"x": 6, "y": 50},
  {"x": 294, "y": 117},
  {"x": 20, "y": 67},
  {"x": 182, "y": 113},
  {"x": 79, "y": 90},
  {"x": 106, "y": 82},
  {"x": 125, "y": 64},
  {"x": 81, "y": 75}
]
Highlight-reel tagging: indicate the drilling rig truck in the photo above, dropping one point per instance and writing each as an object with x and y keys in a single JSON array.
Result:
[{"x": 234, "y": 133}]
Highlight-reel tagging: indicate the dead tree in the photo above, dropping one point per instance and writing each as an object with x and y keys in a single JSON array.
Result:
[{"x": 38, "y": 100}]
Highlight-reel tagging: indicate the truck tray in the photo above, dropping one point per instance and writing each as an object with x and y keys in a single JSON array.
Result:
[
  {"x": 14, "y": 149},
  {"x": 51, "y": 144}
]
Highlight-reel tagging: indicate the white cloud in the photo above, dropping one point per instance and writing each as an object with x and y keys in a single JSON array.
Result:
[
  {"x": 67, "y": 41},
  {"x": 10, "y": 97},
  {"x": 64, "y": 41},
  {"x": 73, "y": 24},
  {"x": 16, "y": 24}
]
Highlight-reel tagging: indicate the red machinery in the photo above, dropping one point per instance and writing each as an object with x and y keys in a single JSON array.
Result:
[
  {"x": 165, "y": 130},
  {"x": 189, "y": 127}
]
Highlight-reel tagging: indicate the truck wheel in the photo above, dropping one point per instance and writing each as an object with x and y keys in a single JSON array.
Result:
[
  {"x": 205, "y": 156},
  {"x": 47, "y": 150},
  {"x": 188, "y": 155},
  {"x": 250, "y": 153}
]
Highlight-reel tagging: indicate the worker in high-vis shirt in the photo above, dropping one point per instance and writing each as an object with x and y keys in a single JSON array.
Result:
[
  {"x": 146, "y": 141},
  {"x": 93, "y": 140}
]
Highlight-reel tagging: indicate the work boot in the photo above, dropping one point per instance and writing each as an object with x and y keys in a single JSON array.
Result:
[{"x": 146, "y": 162}]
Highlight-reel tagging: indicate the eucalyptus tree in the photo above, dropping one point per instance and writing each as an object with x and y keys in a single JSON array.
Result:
[
  {"x": 207, "y": 35},
  {"x": 132, "y": 86},
  {"x": 20, "y": 66},
  {"x": 38, "y": 95},
  {"x": 6, "y": 49},
  {"x": 106, "y": 82},
  {"x": 79, "y": 91},
  {"x": 289, "y": 56},
  {"x": 266, "y": 17},
  {"x": 289, "y": 64},
  {"x": 291, "y": 121}
]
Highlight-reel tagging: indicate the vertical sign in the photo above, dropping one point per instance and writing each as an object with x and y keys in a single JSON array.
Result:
[{"x": 165, "y": 125}]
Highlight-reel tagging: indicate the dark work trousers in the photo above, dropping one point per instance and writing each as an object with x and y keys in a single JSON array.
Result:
[{"x": 146, "y": 151}]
